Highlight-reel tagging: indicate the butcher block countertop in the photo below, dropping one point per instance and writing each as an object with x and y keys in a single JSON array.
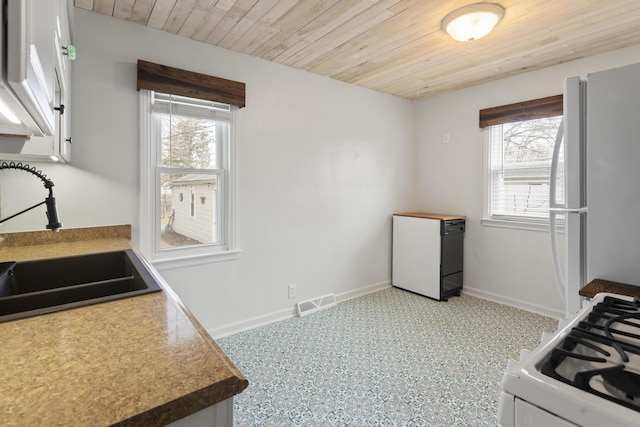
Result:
[
  {"x": 139, "y": 361},
  {"x": 440, "y": 217},
  {"x": 599, "y": 285}
]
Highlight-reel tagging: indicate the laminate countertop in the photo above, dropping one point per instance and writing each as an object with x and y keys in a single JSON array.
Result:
[{"x": 140, "y": 361}]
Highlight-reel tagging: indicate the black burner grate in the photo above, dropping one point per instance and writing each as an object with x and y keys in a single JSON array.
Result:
[{"x": 601, "y": 355}]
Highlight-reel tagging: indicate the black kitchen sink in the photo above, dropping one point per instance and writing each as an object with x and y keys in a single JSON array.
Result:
[{"x": 31, "y": 288}]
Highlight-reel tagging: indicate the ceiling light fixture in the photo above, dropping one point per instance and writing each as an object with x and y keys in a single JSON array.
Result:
[{"x": 472, "y": 22}]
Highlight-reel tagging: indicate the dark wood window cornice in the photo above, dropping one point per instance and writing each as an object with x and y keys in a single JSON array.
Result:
[
  {"x": 520, "y": 111},
  {"x": 174, "y": 81}
]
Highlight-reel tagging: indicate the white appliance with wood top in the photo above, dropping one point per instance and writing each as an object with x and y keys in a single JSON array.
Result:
[{"x": 428, "y": 253}]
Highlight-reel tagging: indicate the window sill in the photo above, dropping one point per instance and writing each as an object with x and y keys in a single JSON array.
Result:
[
  {"x": 162, "y": 263},
  {"x": 519, "y": 225}
]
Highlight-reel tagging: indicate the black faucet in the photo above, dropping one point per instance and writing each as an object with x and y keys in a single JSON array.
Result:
[{"x": 52, "y": 215}]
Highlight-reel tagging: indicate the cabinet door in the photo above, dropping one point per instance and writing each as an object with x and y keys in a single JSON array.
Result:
[
  {"x": 63, "y": 76},
  {"x": 528, "y": 415},
  {"x": 416, "y": 255},
  {"x": 31, "y": 70},
  {"x": 39, "y": 73},
  {"x": 218, "y": 415}
]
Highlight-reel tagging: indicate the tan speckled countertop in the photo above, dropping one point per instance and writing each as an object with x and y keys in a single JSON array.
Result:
[{"x": 141, "y": 361}]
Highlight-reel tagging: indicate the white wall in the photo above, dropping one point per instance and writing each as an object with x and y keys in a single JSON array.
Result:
[
  {"x": 321, "y": 166},
  {"x": 511, "y": 266}
]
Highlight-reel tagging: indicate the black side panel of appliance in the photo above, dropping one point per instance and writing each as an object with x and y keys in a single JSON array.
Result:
[{"x": 452, "y": 249}]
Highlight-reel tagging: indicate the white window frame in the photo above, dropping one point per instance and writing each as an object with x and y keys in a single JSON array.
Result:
[
  {"x": 150, "y": 200},
  {"x": 513, "y": 222}
]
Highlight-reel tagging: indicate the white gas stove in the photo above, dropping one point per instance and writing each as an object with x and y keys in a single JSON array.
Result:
[{"x": 587, "y": 374}]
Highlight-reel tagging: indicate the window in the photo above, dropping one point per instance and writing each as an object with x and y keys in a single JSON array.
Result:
[
  {"x": 187, "y": 192},
  {"x": 190, "y": 143},
  {"x": 518, "y": 170}
]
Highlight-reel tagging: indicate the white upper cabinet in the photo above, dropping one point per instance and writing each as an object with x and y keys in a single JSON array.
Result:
[{"x": 35, "y": 81}]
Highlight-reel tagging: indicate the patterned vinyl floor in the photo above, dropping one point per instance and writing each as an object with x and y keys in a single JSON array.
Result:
[{"x": 390, "y": 358}]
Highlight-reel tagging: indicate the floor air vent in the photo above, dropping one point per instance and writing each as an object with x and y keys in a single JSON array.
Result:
[{"x": 313, "y": 305}]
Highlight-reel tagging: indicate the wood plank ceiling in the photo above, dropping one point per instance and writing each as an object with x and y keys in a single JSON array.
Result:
[{"x": 392, "y": 46}]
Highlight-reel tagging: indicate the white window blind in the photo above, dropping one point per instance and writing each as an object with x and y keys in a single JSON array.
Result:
[{"x": 519, "y": 168}]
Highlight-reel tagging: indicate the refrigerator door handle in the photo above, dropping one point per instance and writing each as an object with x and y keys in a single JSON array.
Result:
[
  {"x": 553, "y": 179},
  {"x": 554, "y": 209},
  {"x": 569, "y": 210},
  {"x": 553, "y": 230}
]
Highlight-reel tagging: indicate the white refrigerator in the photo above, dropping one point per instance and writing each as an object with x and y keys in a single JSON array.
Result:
[{"x": 599, "y": 199}]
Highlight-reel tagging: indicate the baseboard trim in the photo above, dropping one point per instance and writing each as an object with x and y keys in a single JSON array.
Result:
[
  {"x": 355, "y": 293},
  {"x": 513, "y": 302},
  {"x": 251, "y": 323},
  {"x": 287, "y": 313}
]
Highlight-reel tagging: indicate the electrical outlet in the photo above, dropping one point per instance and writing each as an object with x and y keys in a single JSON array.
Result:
[{"x": 292, "y": 290}]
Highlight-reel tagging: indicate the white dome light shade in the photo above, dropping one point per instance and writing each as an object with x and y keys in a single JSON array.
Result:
[{"x": 472, "y": 22}]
